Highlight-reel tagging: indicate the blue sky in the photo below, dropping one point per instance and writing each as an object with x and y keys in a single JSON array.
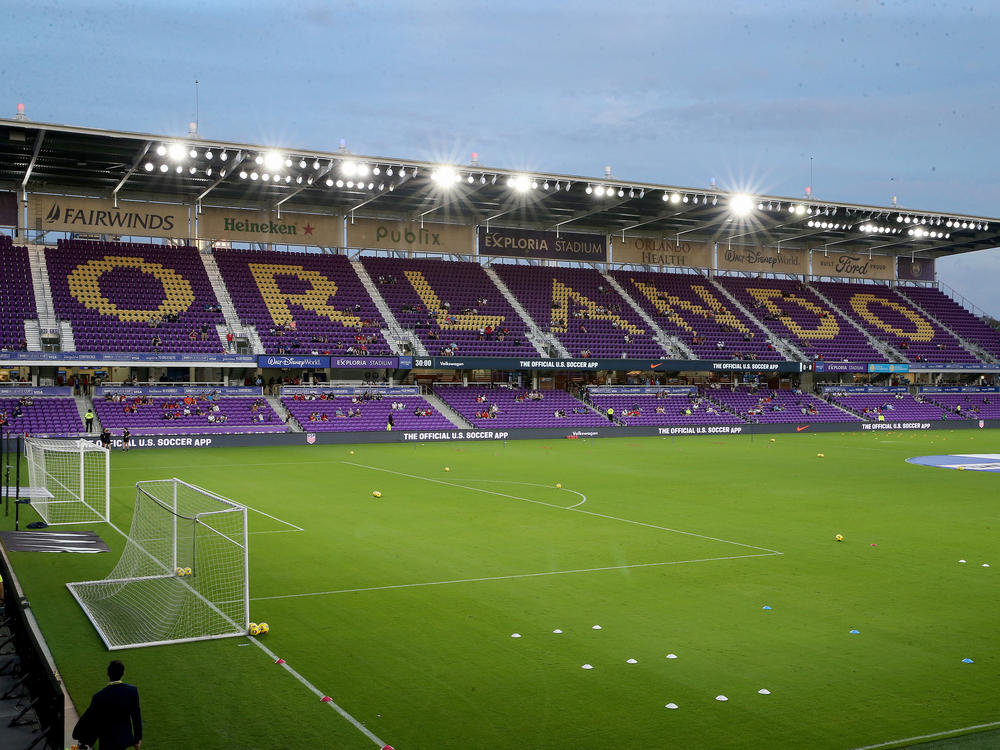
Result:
[{"x": 888, "y": 97}]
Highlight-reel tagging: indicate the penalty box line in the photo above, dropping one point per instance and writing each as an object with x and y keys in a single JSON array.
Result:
[
  {"x": 572, "y": 509},
  {"x": 508, "y": 577}
]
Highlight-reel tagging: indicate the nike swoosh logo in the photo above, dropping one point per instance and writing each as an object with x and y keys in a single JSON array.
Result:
[
  {"x": 654, "y": 365},
  {"x": 799, "y": 429}
]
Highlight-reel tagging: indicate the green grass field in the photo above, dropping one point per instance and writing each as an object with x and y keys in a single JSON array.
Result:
[{"x": 402, "y": 608}]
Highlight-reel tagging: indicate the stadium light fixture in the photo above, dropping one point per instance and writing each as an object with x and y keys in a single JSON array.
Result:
[
  {"x": 521, "y": 183},
  {"x": 258, "y": 159},
  {"x": 316, "y": 164},
  {"x": 208, "y": 172},
  {"x": 741, "y": 204},
  {"x": 192, "y": 170},
  {"x": 340, "y": 183},
  {"x": 224, "y": 156},
  {"x": 545, "y": 185},
  {"x": 482, "y": 180},
  {"x": 470, "y": 179},
  {"x": 302, "y": 163},
  {"x": 266, "y": 177},
  {"x": 686, "y": 198},
  {"x": 176, "y": 152},
  {"x": 376, "y": 170},
  {"x": 402, "y": 171},
  {"x": 715, "y": 200},
  {"x": 273, "y": 160},
  {"x": 590, "y": 189},
  {"x": 621, "y": 193},
  {"x": 254, "y": 175},
  {"x": 388, "y": 171},
  {"x": 675, "y": 198},
  {"x": 193, "y": 154},
  {"x": 161, "y": 150},
  {"x": 362, "y": 169},
  {"x": 178, "y": 169},
  {"x": 298, "y": 180},
  {"x": 243, "y": 174},
  {"x": 444, "y": 176},
  {"x": 148, "y": 166},
  {"x": 288, "y": 161},
  {"x": 350, "y": 184}
]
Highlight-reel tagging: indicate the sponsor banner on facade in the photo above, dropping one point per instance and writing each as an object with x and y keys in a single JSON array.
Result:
[
  {"x": 653, "y": 251},
  {"x": 853, "y": 265},
  {"x": 914, "y": 269},
  {"x": 291, "y": 360},
  {"x": 99, "y": 216},
  {"x": 360, "y": 363},
  {"x": 400, "y": 235},
  {"x": 8, "y": 210},
  {"x": 593, "y": 365},
  {"x": 126, "y": 358},
  {"x": 762, "y": 259},
  {"x": 235, "y": 225},
  {"x": 840, "y": 367},
  {"x": 351, "y": 390},
  {"x": 20, "y": 391},
  {"x": 849, "y": 389},
  {"x": 641, "y": 390},
  {"x": 957, "y": 389},
  {"x": 888, "y": 367},
  {"x": 168, "y": 390},
  {"x": 530, "y": 243},
  {"x": 952, "y": 367}
]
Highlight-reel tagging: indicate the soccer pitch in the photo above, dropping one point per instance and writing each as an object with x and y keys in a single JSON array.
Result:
[{"x": 720, "y": 551}]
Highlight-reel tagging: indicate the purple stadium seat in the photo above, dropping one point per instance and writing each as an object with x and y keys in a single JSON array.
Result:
[
  {"x": 53, "y": 416},
  {"x": 303, "y": 302},
  {"x": 110, "y": 291},
  {"x": 581, "y": 308},
  {"x": 17, "y": 295},
  {"x": 442, "y": 302},
  {"x": 374, "y": 413},
  {"x": 951, "y": 314},
  {"x": 243, "y": 414},
  {"x": 515, "y": 409}
]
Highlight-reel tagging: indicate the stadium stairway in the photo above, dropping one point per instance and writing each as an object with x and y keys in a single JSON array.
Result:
[
  {"x": 82, "y": 404},
  {"x": 282, "y": 411},
  {"x": 786, "y": 347},
  {"x": 726, "y": 408},
  {"x": 228, "y": 309},
  {"x": 44, "y": 308},
  {"x": 446, "y": 411},
  {"x": 542, "y": 342},
  {"x": 395, "y": 335},
  {"x": 969, "y": 346},
  {"x": 890, "y": 353},
  {"x": 842, "y": 408},
  {"x": 670, "y": 344},
  {"x": 33, "y": 335}
]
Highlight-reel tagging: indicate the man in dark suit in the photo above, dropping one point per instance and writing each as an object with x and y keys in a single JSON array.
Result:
[{"x": 113, "y": 719}]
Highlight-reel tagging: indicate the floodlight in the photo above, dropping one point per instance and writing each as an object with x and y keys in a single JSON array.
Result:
[
  {"x": 161, "y": 150},
  {"x": 273, "y": 160},
  {"x": 376, "y": 170},
  {"x": 224, "y": 156},
  {"x": 258, "y": 159},
  {"x": 350, "y": 184},
  {"x": 316, "y": 164},
  {"x": 243, "y": 174},
  {"x": 590, "y": 189},
  {"x": 340, "y": 183},
  {"x": 209, "y": 155},
  {"x": 675, "y": 198},
  {"x": 302, "y": 163},
  {"x": 254, "y": 175},
  {"x": 179, "y": 169},
  {"x": 176, "y": 151},
  {"x": 521, "y": 183},
  {"x": 192, "y": 170},
  {"x": 265, "y": 177},
  {"x": 362, "y": 169},
  {"x": 208, "y": 172},
  {"x": 148, "y": 166},
  {"x": 444, "y": 176},
  {"x": 741, "y": 204},
  {"x": 288, "y": 162},
  {"x": 193, "y": 154},
  {"x": 329, "y": 182}
]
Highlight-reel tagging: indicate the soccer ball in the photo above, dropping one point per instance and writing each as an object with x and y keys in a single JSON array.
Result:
[
  {"x": 264, "y": 628},
  {"x": 188, "y": 571},
  {"x": 254, "y": 629},
  {"x": 447, "y": 468},
  {"x": 558, "y": 486},
  {"x": 352, "y": 453},
  {"x": 376, "y": 493},
  {"x": 839, "y": 537},
  {"x": 180, "y": 571}
]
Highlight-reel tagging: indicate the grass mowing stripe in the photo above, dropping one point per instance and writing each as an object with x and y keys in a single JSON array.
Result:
[
  {"x": 504, "y": 578},
  {"x": 922, "y": 737},
  {"x": 563, "y": 507}
]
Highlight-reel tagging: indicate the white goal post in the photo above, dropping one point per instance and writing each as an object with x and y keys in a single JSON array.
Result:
[
  {"x": 70, "y": 480},
  {"x": 183, "y": 574}
]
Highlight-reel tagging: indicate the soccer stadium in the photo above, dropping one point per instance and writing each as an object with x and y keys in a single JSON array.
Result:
[{"x": 374, "y": 451}]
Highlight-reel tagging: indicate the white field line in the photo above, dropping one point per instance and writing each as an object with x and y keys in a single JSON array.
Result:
[
  {"x": 534, "y": 484},
  {"x": 312, "y": 688},
  {"x": 274, "y": 657},
  {"x": 273, "y": 518},
  {"x": 922, "y": 737},
  {"x": 563, "y": 507},
  {"x": 507, "y": 577}
]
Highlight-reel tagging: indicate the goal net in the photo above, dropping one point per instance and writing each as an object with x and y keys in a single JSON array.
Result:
[
  {"x": 183, "y": 575},
  {"x": 70, "y": 480}
]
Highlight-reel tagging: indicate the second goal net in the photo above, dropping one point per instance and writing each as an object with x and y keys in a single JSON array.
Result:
[
  {"x": 183, "y": 575},
  {"x": 69, "y": 480}
]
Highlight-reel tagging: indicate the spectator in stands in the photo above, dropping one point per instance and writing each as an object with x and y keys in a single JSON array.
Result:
[{"x": 113, "y": 719}]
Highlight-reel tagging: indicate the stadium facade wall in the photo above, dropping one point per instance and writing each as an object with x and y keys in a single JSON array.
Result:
[{"x": 548, "y": 433}]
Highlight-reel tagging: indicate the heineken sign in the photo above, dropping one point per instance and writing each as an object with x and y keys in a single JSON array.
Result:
[{"x": 235, "y": 225}]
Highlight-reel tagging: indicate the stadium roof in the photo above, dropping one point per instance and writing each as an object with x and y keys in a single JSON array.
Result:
[{"x": 41, "y": 157}]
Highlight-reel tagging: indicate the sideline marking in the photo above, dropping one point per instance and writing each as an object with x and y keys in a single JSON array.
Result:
[
  {"x": 563, "y": 507},
  {"x": 890, "y": 743},
  {"x": 502, "y": 578},
  {"x": 357, "y": 724}
]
